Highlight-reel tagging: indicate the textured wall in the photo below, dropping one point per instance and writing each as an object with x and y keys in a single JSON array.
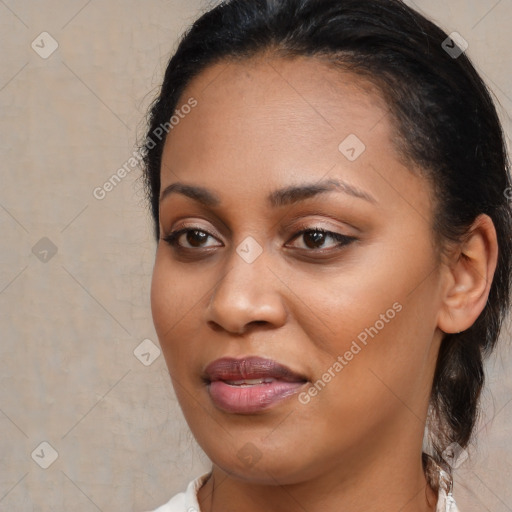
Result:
[{"x": 75, "y": 270}]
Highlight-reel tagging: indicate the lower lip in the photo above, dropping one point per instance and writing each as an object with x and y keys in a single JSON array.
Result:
[{"x": 251, "y": 399}]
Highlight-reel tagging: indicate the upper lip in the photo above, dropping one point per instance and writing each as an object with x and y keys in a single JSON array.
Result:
[{"x": 229, "y": 369}]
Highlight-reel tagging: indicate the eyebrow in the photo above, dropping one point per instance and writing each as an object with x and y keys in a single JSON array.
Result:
[{"x": 282, "y": 197}]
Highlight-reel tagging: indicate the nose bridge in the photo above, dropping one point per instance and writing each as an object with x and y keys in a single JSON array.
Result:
[{"x": 248, "y": 291}]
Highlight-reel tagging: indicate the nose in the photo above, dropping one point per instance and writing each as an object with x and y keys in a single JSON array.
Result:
[{"x": 248, "y": 294}]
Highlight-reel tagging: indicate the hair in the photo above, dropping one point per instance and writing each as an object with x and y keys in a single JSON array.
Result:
[{"x": 445, "y": 123}]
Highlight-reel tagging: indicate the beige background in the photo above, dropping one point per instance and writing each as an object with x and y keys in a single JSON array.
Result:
[{"x": 70, "y": 324}]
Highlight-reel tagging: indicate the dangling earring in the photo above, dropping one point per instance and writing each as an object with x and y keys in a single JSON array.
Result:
[{"x": 446, "y": 501}]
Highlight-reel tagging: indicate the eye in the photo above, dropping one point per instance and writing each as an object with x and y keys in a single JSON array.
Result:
[
  {"x": 194, "y": 237},
  {"x": 315, "y": 238}
]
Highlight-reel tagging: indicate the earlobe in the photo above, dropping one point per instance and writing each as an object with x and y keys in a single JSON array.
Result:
[{"x": 469, "y": 277}]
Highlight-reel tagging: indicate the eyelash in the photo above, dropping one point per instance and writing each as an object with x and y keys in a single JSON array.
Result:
[{"x": 343, "y": 240}]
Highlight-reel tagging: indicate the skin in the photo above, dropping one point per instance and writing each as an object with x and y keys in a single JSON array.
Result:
[{"x": 264, "y": 124}]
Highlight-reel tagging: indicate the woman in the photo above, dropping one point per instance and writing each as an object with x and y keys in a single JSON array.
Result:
[{"x": 328, "y": 181}]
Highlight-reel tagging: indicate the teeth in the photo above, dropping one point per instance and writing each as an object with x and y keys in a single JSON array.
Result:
[{"x": 248, "y": 382}]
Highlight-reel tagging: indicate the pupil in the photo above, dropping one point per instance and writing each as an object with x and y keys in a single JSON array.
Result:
[
  {"x": 315, "y": 236},
  {"x": 195, "y": 237}
]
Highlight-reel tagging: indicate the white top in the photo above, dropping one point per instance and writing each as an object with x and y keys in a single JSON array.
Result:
[{"x": 187, "y": 501}]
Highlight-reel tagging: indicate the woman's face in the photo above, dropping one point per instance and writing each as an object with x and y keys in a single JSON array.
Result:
[{"x": 338, "y": 283}]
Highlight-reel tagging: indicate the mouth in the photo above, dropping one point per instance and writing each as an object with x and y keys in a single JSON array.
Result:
[{"x": 251, "y": 384}]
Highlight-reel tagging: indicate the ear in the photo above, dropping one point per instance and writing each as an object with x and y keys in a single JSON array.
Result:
[{"x": 468, "y": 277}]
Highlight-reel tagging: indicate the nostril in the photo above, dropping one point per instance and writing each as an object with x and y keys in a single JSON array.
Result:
[{"x": 259, "y": 322}]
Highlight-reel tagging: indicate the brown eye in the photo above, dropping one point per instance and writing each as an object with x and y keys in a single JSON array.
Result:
[
  {"x": 196, "y": 238},
  {"x": 315, "y": 238},
  {"x": 188, "y": 238}
]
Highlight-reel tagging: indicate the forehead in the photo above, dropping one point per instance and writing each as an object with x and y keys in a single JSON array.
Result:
[
  {"x": 304, "y": 86},
  {"x": 270, "y": 121},
  {"x": 262, "y": 100}
]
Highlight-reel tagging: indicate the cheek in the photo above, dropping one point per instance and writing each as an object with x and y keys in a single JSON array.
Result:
[
  {"x": 385, "y": 360},
  {"x": 381, "y": 323},
  {"x": 174, "y": 292},
  {"x": 169, "y": 305},
  {"x": 177, "y": 302},
  {"x": 163, "y": 300}
]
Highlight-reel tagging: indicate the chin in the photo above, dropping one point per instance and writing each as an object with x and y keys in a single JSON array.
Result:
[{"x": 263, "y": 466}]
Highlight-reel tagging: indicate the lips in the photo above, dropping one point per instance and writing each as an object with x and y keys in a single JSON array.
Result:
[
  {"x": 250, "y": 384},
  {"x": 249, "y": 368}
]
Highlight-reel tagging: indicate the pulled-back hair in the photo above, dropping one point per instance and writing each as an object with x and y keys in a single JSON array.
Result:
[{"x": 446, "y": 125}]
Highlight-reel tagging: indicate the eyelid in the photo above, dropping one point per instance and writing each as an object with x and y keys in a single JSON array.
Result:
[
  {"x": 194, "y": 225},
  {"x": 319, "y": 219},
  {"x": 296, "y": 223},
  {"x": 175, "y": 234},
  {"x": 301, "y": 224},
  {"x": 341, "y": 240},
  {"x": 202, "y": 215}
]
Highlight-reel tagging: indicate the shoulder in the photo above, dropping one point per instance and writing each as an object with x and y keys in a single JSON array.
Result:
[{"x": 185, "y": 501}]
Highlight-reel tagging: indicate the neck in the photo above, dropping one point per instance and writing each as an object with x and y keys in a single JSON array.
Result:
[{"x": 395, "y": 488}]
